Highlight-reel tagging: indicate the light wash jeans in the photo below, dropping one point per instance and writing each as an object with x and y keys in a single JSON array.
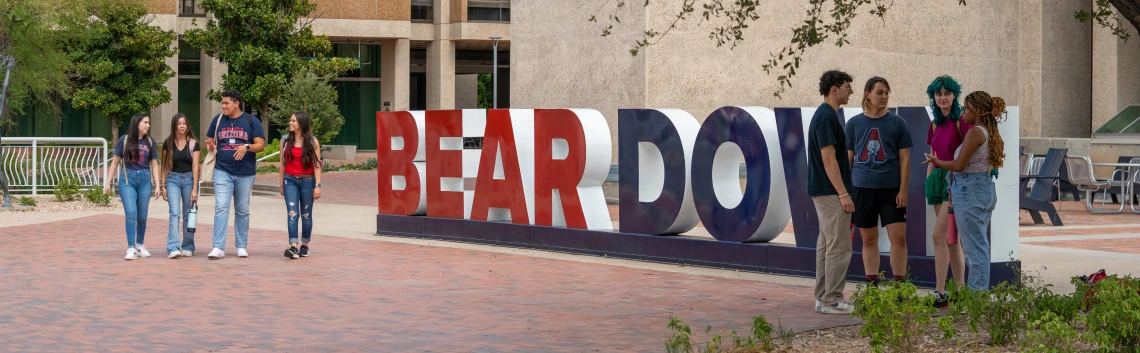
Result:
[
  {"x": 299, "y": 204},
  {"x": 238, "y": 189},
  {"x": 974, "y": 196},
  {"x": 135, "y": 190},
  {"x": 178, "y": 189}
]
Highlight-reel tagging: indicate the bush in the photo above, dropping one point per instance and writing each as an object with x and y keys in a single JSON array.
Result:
[
  {"x": 1050, "y": 334},
  {"x": 267, "y": 169},
  {"x": 680, "y": 340},
  {"x": 271, "y": 148},
  {"x": 894, "y": 315},
  {"x": 67, "y": 189},
  {"x": 26, "y": 201},
  {"x": 96, "y": 196},
  {"x": 1113, "y": 319}
]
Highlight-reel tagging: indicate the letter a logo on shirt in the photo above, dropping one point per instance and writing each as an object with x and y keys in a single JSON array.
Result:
[{"x": 872, "y": 149}]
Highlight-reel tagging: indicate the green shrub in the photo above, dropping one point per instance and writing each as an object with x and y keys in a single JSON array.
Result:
[
  {"x": 267, "y": 169},
  {"x": 1050, "y": 334},
  {"x": 1113, "y": 318},
  {"x": 271, "y": 148},
  {"x": 26, "y": 201},
  {"x": 96, "y": 196},
  {"x": 680, "y": 340},
  {"x": 67, "y": 189},
  {"x": 894, "y": 315}
]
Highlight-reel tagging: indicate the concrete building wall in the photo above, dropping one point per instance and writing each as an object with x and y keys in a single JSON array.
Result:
[
  {"x": 1066, "y": 78},
  {"x": 467, "y": 91},
  {"x": 1116, "y": 74},
  {"x": 392, "y": 10},
  {"x": 559, "y": 60}
]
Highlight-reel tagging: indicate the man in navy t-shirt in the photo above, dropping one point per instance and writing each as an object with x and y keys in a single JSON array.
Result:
[{"x": 235, "y": 137}]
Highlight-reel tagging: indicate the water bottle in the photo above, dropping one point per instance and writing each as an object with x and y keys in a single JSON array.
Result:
[
  {"x": 952, "y": 232},
  {"x": 192, "y": 218}
]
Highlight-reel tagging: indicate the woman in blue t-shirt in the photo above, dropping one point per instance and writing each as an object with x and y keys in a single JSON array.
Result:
[{"x": 137, "y": 152}]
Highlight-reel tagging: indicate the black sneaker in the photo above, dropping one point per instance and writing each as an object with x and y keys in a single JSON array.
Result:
[
  {"x": 304, "y": 251},
  {"x": 291, "y": 253},
  {"x": 941, "y": 300}
]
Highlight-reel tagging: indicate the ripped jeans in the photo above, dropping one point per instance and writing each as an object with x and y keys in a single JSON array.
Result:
[{"x": 299, "y": 204}]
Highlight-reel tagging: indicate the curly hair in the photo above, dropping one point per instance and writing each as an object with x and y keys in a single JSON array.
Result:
[
  {"x": 990, "y": 111},
  {"x": 950, "y": 85},
  {"x": 832, "y": 78}
]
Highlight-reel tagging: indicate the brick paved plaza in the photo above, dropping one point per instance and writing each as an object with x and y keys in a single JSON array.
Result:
[{"x": 66, "y": 288}]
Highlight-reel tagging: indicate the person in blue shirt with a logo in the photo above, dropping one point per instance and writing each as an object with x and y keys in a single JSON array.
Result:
[
  {"x": 236, "y": 137},
  {"x": 879, "y": 143}
]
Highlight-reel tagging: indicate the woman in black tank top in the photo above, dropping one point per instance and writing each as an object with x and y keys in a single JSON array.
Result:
[{"x": 179, "y": 184}]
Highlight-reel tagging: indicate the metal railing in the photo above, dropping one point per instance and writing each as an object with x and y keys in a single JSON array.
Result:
[{"x": 32, "y": 166}]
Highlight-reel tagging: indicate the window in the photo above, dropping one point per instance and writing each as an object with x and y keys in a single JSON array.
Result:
[
  {"x": 189, "y": 59},
  {"x": 422, "y": 11},
  {"x": 1125, "y": 122},
  {"x": 489, "y": 11},
  {"x": 190, "y": 8}
]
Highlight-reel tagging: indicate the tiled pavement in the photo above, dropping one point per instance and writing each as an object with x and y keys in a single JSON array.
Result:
[{"x": 68, "y": 289}]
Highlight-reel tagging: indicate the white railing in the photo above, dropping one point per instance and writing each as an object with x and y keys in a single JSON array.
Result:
[
  {"x": 33, "y": 167},
  {"x": 269, "y": 156}
]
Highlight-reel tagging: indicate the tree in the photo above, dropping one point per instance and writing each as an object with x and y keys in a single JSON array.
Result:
[
  {"x": 264, "y": 42},
  {"x": 818, "y": 28},
  {"x": 122, "y": 65},
  {"x": 311, "y": 93},
  {"x": 35, "y": 33},
  {"x": 485, "y": 86}
]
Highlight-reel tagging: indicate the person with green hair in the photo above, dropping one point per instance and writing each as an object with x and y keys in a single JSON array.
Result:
[{"x": 946, "y": 133}]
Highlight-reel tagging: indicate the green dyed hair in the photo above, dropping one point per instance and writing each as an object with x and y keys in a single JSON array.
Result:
[{"x": 951, "y": 85}]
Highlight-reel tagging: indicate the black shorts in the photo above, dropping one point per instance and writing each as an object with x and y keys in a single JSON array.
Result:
[{"x": 871, "y": 205}]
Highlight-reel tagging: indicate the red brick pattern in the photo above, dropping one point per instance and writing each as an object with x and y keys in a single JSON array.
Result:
[{"x": 68, "y": 289}]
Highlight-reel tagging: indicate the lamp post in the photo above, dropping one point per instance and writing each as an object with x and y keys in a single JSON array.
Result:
[{"x": 495, "y": 72}]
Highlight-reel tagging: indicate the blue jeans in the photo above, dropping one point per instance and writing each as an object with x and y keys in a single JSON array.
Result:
[
  {"x": 178, "y": 189},
  {"x": 135, "y": 190},
  {"x": 299, "y": 202},
  {"x": 974, "y": 197},
  {"x": 229, "y": 187}
]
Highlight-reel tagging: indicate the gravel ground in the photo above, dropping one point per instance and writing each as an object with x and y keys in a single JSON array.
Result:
[{"x": 49, "y": 210}]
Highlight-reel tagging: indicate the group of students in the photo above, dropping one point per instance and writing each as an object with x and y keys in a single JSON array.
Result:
[
  {"x": 859, "y": 176},
  {"x": 234, "y": 137}
]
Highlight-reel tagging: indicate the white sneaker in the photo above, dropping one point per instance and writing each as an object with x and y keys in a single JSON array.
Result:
[
  {"x": 841, "y": 307},
  {"x": 242, "y": 253},
  {"x": 131, "y": 254},
  {"x": 818, "y": 306},
  {"x": 216, "y": 254},
  {"x": 142, "y": 251},
  {"x": 187, "y": 253},
  {"x": 174, "y": 254}
]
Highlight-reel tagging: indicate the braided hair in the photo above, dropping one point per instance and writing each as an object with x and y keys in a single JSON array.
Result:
[{"x": 990, "y": 111}]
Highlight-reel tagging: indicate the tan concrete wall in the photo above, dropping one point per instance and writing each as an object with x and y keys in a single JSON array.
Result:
[
  {"x": 559, "y": 60},
  {"x": 458, "y": 11},
  {"x": 392, "y": 10},
  {"x": 1066, "y": 79},
  {"x": 466, "y": 91},
  {"x": 1116, "y": 71},
  {"x": 163, "y": 7},
  {"x": 1029, "y": 70}
]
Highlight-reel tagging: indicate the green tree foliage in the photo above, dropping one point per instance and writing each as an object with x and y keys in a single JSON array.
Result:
[
  {"x": 485, "y": 87},
  {"x": 310, "y": 93},
  {"x": 36, "y": 33},
  {"x": 264, "y": 42},
  {"x": 122, "y": 62}
]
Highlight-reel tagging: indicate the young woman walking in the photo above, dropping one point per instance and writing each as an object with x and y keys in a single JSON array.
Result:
[
  {"x": 180, "y": 184},
  {"x": 138, "y": 155},
  {"x": 300, "y": 181}
]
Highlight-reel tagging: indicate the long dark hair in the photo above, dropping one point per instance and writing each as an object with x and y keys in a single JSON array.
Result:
[
  {"x": 871, "y": 86},
  {"x": 308, "y": 143},
  {"x": 170, "y": 144},
  {"x": 131, "y": 145}
]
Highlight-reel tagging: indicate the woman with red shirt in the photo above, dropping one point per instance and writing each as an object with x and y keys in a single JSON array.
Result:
[
  {"x": 300, "y": 181},
  {"x": 947, "y": 132}
]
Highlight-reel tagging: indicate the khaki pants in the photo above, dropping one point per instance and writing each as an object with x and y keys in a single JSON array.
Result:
[{"x": 832, "y": 250}]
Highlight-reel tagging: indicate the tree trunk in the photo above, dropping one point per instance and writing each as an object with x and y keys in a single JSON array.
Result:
[
  {"x": 114, "y": 130},
  {"x": 1130, "y": 10},
  {"x": 263, "y": 115}
]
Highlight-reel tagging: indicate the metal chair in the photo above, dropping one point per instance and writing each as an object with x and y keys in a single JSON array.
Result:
[{"x": 1081, "y": 175}]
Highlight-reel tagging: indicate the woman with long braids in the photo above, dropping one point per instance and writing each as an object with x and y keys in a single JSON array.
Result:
[
  {"x": 180, "y": 185},
  {"x": 300, "y": 181},
  {"x": 972, "y": 187},
  {"x": 944, "y": 136},
  {"x": 136, "y": 150}
]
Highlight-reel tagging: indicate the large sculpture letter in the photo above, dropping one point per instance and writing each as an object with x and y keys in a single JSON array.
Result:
[{"x": 655, "y": 147}]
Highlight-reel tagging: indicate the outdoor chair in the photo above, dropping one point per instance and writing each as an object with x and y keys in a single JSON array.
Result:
[{"x": 1080, "y": 173}]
